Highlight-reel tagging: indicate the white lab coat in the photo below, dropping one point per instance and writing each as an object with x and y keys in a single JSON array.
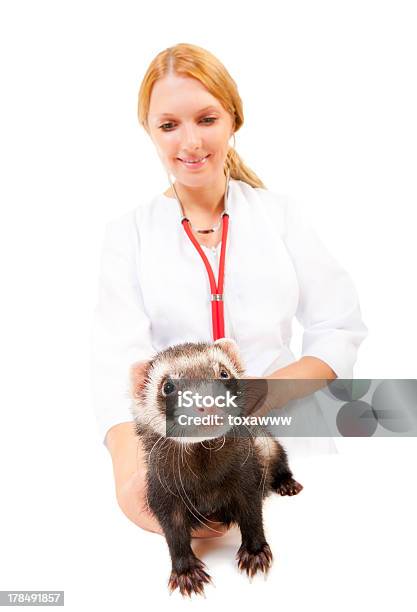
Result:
[{"x": 154, "y": 292}]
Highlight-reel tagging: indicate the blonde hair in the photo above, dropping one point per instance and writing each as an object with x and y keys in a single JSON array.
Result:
[{"x": 195, "y": 62}]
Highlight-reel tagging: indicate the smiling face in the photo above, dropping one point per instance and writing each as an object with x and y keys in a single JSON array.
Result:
[{"x": 187, "y": 123}]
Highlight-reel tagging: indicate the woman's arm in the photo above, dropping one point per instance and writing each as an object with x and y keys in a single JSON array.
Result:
[
  {"x": 328, "y": 306},
  {"x": 129, "y": 469},
  {"x": 304, "y": 368},
  {"x": 129, "y": 474}
]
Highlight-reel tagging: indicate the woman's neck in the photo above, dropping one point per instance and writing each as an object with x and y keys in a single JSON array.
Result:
[{"x": 200, "y": 202}]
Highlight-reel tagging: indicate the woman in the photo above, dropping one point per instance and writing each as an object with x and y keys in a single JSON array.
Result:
[{"x": 154, "y": 290}]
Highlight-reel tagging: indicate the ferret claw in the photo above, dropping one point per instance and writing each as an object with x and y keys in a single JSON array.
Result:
[
  {"x": 254, "y": 562},
  {"x": 289, "y": 487},
  {"x": 190, "y": 581}
]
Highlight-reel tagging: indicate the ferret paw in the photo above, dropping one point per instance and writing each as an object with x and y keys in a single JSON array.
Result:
[
  {"x": 289, "y": 486},
  {"x": 252, "y": 562},
  {"x": 190, "y": 581}
]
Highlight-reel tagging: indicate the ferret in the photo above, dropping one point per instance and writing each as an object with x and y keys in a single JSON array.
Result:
[{"x": 195, "y": 480}]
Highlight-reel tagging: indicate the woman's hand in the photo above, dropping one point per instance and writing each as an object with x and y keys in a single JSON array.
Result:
[
  {"x": 262, "y": 395},
  {"x": 297, "y": 380},
  {"x": 129, "y": 468}
]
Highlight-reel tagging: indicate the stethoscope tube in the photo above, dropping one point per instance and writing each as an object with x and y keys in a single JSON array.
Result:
[{"x": 217, "y": 303}]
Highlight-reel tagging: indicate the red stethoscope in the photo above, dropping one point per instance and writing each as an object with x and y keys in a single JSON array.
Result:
[{"x": 217, "y": 304}]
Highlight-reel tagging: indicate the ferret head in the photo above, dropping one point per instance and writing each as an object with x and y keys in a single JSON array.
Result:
[{"x": 151, "y": 382}]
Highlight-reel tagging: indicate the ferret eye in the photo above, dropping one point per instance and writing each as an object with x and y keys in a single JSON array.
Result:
[
  {"x": 224, "y": 374},
  {"x": 168, "y": 388}
]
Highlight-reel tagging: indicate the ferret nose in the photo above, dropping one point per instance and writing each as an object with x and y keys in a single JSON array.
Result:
[
  {"x": 202, "y": 410},
  {"x": 209, "y": 399}
]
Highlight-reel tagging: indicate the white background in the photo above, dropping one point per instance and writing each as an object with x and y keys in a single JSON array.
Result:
[{"x": 329, "y": 95}]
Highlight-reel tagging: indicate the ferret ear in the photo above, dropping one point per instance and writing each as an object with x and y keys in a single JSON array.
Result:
[
  {"x": 231, "y": 348},
  {"x": 138, "y": 374},
  {"x": 228, "y": 342}
]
